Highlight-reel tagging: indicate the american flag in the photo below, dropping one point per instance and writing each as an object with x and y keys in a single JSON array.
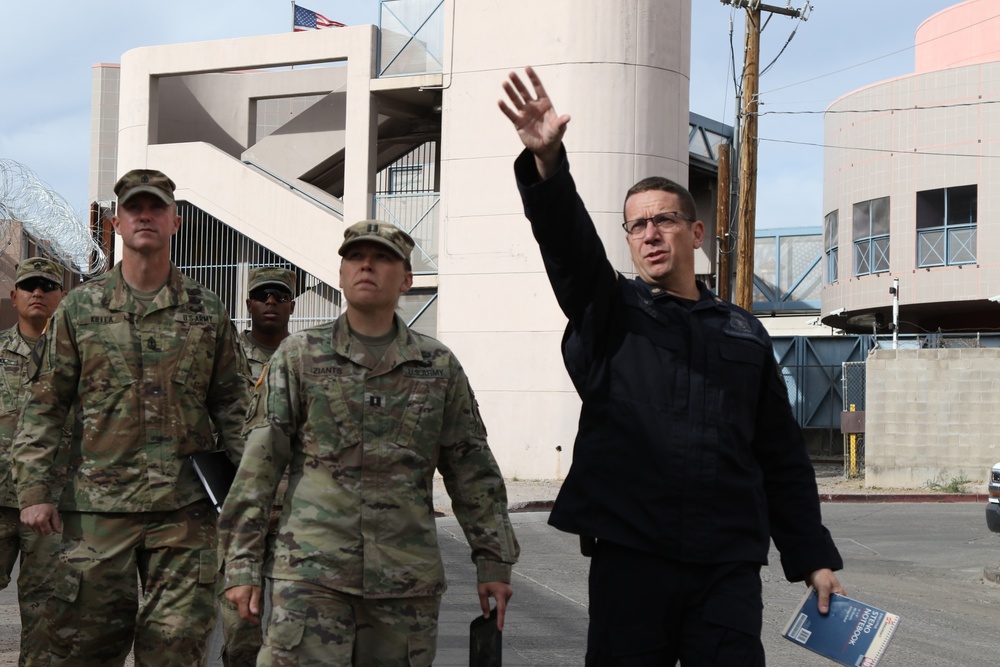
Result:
[{"x": 307, "y": 19}]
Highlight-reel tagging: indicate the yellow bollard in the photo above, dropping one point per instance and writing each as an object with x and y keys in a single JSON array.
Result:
[{"x": 853, "y": 468}]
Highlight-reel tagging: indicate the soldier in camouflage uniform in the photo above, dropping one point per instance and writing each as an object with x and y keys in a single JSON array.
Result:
[
  {"x": 362, "y": 411},
  {"x": 38, "y": 289},
  {"x": 271, "y": 304},
  {"x": 148, "y": 359}
]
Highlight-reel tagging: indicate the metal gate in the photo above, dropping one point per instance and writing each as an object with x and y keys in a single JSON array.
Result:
[{"x": 813, "y": 372}]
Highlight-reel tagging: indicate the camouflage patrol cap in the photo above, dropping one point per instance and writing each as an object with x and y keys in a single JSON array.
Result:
[
  {"x": 145, "y": 180},
  {"x": 376, "y": 231},
  {"x": 39, "y": 267},
  {"x": 272, "y": 275}
]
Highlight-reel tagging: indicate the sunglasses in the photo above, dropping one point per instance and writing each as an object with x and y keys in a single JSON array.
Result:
[
  {"x": 263, "y": 294},
  {"x": 31, "y": 284}
]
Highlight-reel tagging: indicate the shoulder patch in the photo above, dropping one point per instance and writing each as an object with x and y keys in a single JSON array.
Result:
[{"x": 738, "y": 327}]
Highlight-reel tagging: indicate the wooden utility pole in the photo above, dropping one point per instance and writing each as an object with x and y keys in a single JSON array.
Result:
[
  {"x": 747, "y": 203},
  {"x": 747, "y": 198},
  {"x": 722, "y": 215}
]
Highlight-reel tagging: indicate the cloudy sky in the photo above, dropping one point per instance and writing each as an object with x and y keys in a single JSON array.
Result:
[{"x": 47, "y": 52}]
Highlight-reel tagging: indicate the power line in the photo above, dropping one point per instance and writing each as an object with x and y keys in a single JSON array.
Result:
[
  {"x": 877, "y": 58},
  {"x": 904, "y": 151},
  {"x": 885, "y": 110}
]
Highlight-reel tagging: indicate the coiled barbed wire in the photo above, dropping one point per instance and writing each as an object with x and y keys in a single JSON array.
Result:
[{"x": 48, "y": 219}]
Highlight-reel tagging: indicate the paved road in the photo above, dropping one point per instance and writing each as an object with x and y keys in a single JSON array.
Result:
[{"x": 923, "y": 561}]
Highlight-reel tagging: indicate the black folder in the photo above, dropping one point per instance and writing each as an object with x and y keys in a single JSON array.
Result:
[
  {"x": 216, "y": 473},
  {"x": 485, "y": 641}
]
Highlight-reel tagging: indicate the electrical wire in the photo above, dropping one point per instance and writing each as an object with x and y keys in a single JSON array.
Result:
[
  {"x": 901, "y": 151},
  {"x": 929, "y": 107},
  {"x": 877, "y": 58}
]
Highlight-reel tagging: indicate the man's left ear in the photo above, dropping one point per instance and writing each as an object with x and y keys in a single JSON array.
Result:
[
  {"x": 698, "y": 227},
  {"x": 407, "y": 283}
]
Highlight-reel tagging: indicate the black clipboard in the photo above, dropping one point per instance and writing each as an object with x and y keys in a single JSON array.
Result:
[
  {"x": 485, "y": 642},
  {"x": 216, "y": 473}
]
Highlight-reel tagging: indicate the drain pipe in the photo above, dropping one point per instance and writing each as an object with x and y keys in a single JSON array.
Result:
[{"x": 894, "y": 291}]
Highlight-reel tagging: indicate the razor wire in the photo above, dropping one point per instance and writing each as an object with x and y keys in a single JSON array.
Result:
[{"x": 48, "y": 219}]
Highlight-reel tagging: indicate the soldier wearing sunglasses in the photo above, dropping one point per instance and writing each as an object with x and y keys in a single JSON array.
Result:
[
  {"x": 36, "y": 294},
  {"x": 271, "y": 303}
]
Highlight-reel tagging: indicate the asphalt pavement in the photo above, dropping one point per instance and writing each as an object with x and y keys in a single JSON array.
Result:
[{"x": 922, "y": 560}]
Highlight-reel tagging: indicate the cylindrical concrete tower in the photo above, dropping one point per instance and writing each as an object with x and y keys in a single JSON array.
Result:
[{"x": 620, "y": 68}]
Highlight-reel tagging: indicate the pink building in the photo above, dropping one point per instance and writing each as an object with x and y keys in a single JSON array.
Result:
[{"x": 911, "y": 190}]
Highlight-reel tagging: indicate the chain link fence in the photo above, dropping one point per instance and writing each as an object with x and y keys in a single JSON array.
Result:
[{"x": 854, "y": 401}]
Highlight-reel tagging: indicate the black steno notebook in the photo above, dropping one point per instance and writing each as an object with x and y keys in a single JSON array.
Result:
[{"x": 216, "y": 473}]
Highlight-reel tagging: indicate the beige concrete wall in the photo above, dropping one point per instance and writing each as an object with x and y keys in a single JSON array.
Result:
[
  {"x": 931, "y": 416},
  {"x": 621, "y": 71}
]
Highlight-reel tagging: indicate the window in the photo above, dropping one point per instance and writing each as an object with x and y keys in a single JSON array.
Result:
[
  {"x": 946, "y": 226},
  {"x": 406, "y": 178},
  {"x": 830, "y": 229},
  {"x": 871, "y": 236}
]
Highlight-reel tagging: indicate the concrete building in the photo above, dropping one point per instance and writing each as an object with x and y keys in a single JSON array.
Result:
[
  {"x": 277, "y": 142},
  {"x": 909, "y": 178},
  {"x": 912, "y": 198}
]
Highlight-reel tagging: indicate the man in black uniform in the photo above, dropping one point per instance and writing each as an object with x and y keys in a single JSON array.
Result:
[{"x": 688, "y": 459}]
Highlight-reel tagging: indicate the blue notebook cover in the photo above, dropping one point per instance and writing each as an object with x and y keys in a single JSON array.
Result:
[{"x": 853, "y": 633}]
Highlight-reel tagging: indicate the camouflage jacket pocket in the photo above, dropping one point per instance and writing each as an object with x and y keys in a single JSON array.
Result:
[
  {"x": 10, "y": 385},
  {"x": 105, "y": 371}
]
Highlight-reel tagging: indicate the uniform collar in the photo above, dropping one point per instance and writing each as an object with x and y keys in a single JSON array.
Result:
[
  {"x": 118, "y": 296},
  {"x": 656, "y": 292},
  {"x": 404, "y": 347}
]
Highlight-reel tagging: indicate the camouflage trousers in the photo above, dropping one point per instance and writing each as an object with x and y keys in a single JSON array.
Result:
[
  {"x": 95, "y": 613},
  {"x": 314, "y": 626},
  {"x": 34, "y": 580},
  {"x": 241, "y": 640}
]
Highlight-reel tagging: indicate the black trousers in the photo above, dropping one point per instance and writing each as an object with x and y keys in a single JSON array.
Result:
[{"x": 646, "y": 610}]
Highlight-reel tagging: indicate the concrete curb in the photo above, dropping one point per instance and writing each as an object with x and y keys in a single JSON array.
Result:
[
  {"x": 903, "y": 497},
  {"x": 531, "y": 506},
  {"x": 546, "y": 505}
]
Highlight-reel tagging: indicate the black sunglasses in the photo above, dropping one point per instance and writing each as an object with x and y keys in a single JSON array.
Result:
[
  {"x": 263, "y": 293},
  {"x": 31, "y": 284}
]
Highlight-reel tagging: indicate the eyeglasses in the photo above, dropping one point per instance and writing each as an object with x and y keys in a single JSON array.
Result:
[
  {"x": 263, "y": 294},
  {"x": 31, "y": 284},
  {"x": 670, "y": 221}
]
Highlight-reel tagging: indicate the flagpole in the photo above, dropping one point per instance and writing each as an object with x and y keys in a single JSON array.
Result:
[{"x": 293, "y": 15}]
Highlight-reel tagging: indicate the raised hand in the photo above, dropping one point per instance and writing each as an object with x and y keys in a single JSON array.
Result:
[{"x": 541, "y": 130}]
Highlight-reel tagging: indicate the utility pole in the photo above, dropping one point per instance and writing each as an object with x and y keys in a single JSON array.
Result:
[
  {"x": 747, "y": 195},
  {"x": 722, "y": 216}
]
